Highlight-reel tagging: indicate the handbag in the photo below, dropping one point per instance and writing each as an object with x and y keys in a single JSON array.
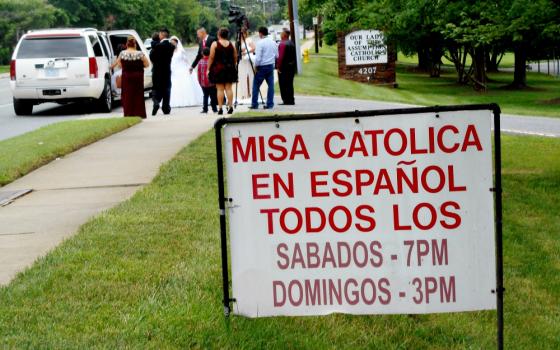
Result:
[{"x": 119, "y": 82}]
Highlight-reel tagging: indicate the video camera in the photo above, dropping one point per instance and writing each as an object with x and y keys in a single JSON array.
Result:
[{"x": 237, "y": 15}]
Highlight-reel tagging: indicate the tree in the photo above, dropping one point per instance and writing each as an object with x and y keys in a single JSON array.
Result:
[
  {"x": 532, "y": 26},
  {"x": 17, "y": 17},
  {"x": 182, "y": 17},
  {"x": 338, "y": 15},
  {"x": 411, "y": 25},
  {"x": 281, "y": 12},
  {"x": 474, "y": 27}
]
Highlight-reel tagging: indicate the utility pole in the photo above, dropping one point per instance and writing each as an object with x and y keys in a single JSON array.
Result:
[
  {"x": 294, "y": 29},
  {"x": 316, "y": 29}
]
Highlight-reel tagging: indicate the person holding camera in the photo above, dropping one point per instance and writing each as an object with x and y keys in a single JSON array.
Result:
[{"x": 265, "y": 58}]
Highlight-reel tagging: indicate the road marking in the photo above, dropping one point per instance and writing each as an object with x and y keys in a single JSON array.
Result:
[
  {"x": 6, "y": 105},
  {"x": 534, "y": 133}
]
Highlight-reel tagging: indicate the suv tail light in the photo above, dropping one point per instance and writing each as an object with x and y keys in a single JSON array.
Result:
[
  {"x": 13, "y": 70},
  {"x": 93, "y": 70}
]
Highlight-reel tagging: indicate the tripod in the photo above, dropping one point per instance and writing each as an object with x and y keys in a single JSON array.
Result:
[{"x": 239, "y": 42}]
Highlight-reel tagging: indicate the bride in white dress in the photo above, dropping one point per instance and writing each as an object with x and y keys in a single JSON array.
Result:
[
  {"x": 245, "y": 69},
  {"x": 185, "y": 89}
]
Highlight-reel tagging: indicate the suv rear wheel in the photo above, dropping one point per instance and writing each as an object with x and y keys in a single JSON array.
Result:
[
  {"x": 22, "y": 107},
  {"x": 105, "y": 101}
]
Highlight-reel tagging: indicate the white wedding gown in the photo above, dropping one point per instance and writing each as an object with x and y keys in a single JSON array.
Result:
[{"x": 185, "y": 89}]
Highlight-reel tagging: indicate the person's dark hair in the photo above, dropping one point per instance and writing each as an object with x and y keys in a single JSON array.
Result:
[
  {"x": 263, "y": 31},
  {"x": 130, "y": 42},
  {"x": 223, "y": 33},
  {"x": 155, "y": 37},
  {"x": 165, "y": 32},
  {"x": 206, "y": 51}
]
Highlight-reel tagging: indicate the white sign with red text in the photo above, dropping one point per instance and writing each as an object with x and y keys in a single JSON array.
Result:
[{"x": 376, "y": 215}]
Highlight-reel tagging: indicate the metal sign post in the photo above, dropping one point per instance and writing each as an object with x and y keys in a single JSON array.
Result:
[{"x": 294, "y": 28}]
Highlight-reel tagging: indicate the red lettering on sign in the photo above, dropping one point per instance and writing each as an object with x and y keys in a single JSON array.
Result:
[
  {"x": 270, "y": 219},
  {"x": 471, "y": 139},
  {"x": 315, "y": 183},
  {"x": 340, "y": 178},
  {"x": 397, "y": 141},
  {"x": 257, "y": 185},
  {"x": 357, "y": 145},
  {"x": 255, "y": 149},
  {"x": 429, "y": 214},
  {"x": 455, "y": 218},
  {"x": 441, "y": 134},
  {"x": 401, "y": 139},
  {"x": 373, "y": 134},
  {"x": 327, "y": 145}
]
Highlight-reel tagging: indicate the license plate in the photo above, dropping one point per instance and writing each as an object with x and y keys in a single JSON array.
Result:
[
  {"x": 51, "y": 72},
  {"x": 53, "y": 92}
]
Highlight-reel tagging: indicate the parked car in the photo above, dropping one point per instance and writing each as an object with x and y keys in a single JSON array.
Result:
[
  {"x": 148, "y": 44},
  {"x": 67, "y": 65}
]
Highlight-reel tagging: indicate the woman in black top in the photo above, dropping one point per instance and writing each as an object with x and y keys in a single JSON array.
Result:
[{"x": 222, "y": 68}]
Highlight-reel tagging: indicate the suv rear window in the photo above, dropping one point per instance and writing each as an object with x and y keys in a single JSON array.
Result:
[{"x": 52, "y": 48}]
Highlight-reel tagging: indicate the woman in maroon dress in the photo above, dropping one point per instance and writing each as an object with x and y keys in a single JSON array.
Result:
[{"x": 133, "y": 63}]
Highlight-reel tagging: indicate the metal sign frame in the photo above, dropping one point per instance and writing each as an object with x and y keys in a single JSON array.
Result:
[{"x": 497, "y": 189}]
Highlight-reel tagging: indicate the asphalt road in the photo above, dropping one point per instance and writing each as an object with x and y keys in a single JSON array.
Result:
[
  {"x": 12, "y": 125},
  {"x": 46, "y": 113},
  {"x": 551, "y": 67}
]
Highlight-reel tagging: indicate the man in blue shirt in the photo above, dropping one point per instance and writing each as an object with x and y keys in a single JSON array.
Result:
[{"x": 265, "y": 58}]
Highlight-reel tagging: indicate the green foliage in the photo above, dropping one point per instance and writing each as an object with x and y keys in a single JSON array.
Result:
[
  {"x": 282, "y": 12},
  {"x": 181, "y": 17},
  {"x": 534, "y": 24},
  {"x": 19, "y": 16},
  {"x": 481, "y": 29}
]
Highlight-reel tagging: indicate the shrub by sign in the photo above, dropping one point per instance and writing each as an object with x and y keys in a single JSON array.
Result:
[
  {"x": 364, "y": 56},
  {"x": 385, "y": 212}
]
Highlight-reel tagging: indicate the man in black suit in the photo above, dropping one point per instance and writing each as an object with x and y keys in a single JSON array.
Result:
[
  {"x": 287, "y": 67},
  {"x": 205, "y": 41},
  {"x": 161, "y": 55}
]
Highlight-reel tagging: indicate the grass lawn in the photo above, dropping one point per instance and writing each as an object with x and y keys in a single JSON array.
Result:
[
  {"x": 146, "y": 274},
  {"x": 4, "y": 69},
  {"x": 320, "y": 77},
  {"x": 24, "y": 153}
]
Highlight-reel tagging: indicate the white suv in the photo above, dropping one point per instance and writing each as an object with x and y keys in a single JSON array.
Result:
[{"x": 67, "y": 65}]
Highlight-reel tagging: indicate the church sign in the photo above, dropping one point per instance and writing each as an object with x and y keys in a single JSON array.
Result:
[{"x": 364, "y": 56}]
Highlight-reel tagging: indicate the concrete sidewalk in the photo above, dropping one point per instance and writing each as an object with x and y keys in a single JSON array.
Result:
[{"x": 68, "y": 192}]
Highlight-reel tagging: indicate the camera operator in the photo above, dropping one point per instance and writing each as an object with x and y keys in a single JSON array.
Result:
[{"x": 205, "y": 41}]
